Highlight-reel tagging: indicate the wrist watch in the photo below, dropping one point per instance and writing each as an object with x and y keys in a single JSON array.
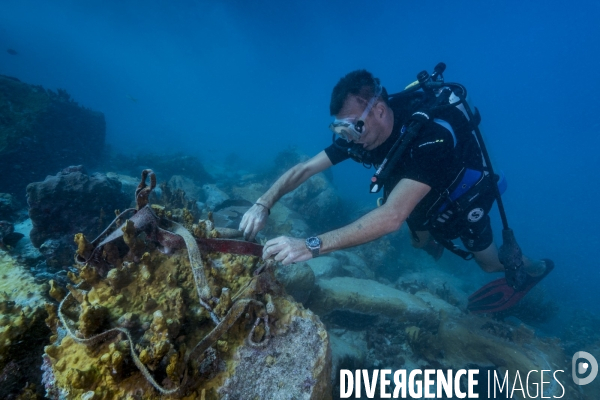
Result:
[{"x": 314, "y": 245}]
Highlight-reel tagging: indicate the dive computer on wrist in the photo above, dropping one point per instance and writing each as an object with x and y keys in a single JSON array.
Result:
[{"x": 314, "y": 245}]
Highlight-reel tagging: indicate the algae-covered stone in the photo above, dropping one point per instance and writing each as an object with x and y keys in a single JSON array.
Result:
[
  {"x": 367, "y": 297},
  {"x": 23, "y": 333}
]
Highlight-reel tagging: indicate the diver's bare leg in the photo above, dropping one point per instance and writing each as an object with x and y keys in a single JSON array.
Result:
[
  {"x": 488, "y": 259},
  {"x": 489, "y": 262}
]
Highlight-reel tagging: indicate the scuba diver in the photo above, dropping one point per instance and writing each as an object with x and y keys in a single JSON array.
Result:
[{"x": 431, "y": 162}]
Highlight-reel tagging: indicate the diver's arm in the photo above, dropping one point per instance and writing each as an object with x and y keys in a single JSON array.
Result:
[
  {"x": 256, "y": 217},
  {"x": 381, "y": 221},
  {"x": 294, "y": 177}
]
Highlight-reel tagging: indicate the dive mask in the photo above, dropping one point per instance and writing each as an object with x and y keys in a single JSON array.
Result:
[
  {"x": 347, "y": 128},
  {"x": 352, "y": 129}
]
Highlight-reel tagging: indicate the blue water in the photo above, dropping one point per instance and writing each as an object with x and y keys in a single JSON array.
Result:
[{"x": 254, "y": 77}]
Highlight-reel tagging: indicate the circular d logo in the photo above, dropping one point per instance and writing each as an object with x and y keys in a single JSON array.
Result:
[{"x": 590, "y": 364}]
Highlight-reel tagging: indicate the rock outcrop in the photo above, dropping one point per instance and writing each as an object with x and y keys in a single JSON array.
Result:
[
  {"x": 68, "y": 203},
  {"x": 42, "y": 130}
]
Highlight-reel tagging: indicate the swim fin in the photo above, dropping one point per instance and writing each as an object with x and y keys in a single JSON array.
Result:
[{"x": 498, "y": 295}]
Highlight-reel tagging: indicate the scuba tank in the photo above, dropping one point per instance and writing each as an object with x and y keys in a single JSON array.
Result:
[{"x": 442, "y": 97}]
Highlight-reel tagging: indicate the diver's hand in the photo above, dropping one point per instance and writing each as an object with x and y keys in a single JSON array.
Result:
[
  {"x": 253, "y": 221},
  {"x": 286, "y": 249}
]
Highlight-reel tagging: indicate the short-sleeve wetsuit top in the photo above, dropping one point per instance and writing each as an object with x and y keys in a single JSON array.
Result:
[{"x": 435, "y": 157}]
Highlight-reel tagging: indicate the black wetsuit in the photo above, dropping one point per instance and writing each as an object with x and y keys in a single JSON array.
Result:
[{"x": 434, "y": 158}]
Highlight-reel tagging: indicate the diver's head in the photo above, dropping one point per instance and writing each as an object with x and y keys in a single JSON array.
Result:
[{"x": 362, "y": 115}]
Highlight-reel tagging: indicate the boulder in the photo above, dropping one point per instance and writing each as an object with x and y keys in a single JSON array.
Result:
[
  {"x": 296, "y": 366},
  {"x": 326, "y": 267},
  {"x": 128, "y": 186},
  {"x": 193, "y": 192},
  {"x": 369, "y": 297},
  {"x": 354, "y": 264},
  {"x": 42, "y": 131},
  {"x": 68, "y": 203},
  {"x": 229, "y": 213},
  {"x": 282, "y": 221},
  {"x": 316, "y": 200},
  {"x": 213, "y": 195},
  {"x": 298, "y": 280}
]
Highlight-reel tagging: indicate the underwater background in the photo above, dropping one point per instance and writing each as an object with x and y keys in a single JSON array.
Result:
[{"x": 238, "y": 82}]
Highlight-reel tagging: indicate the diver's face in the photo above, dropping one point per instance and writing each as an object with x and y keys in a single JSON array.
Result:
[{"x": 371, "y": 131}]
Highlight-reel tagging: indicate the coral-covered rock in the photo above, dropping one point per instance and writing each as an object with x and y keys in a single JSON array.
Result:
[
  {"x": 237, "y": 367},
  {"x": 67, "y": 203},
  {"x": 42, "y": 131},
  {"x": 22, "y": 328},
  {"x": 187, "y": 322}
]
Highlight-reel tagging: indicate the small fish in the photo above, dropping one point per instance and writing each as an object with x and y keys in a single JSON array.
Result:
[
  {"x": 12, "y": 52},
  {"x": 130, "y": 97}
]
